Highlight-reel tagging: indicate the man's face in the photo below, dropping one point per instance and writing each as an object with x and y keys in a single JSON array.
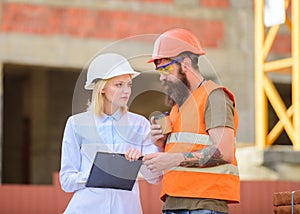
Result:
[{"x": 175, "y": 83}]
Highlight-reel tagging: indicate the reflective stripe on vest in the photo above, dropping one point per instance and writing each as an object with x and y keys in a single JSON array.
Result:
[
  {"x": 188, "y": 137},
  {"x": 222, "y": 169}
]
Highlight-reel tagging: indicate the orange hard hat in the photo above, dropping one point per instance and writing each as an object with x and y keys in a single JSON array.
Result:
[{"x": 175, "y": 41}]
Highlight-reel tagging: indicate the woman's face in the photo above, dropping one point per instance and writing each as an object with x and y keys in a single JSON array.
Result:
[{"x": 117, "y": 92}]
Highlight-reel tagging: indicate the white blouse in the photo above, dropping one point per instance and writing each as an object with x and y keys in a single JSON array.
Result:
[{"x": 84, "y": 135}]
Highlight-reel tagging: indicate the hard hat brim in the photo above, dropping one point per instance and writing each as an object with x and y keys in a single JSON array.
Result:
[
  {"x": 151, "y": 60},
  {"x": 132, "y": 73}
]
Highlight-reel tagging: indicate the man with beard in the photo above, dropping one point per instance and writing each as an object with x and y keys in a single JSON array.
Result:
[{"x": 199, "y": 163}]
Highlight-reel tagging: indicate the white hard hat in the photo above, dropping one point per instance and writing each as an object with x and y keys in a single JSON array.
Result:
[{"x": 106, "y": 66}]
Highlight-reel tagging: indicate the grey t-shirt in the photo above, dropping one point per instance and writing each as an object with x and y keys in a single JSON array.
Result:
[{"x": 219, "y": 110}]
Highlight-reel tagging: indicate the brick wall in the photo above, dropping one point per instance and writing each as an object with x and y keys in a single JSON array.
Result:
[
  {"x": 103, "y": 24},
  {"x": 256, "y": 197}
]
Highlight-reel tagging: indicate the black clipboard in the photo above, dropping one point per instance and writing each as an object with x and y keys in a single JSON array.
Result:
[{"x": 113, "y": 170}]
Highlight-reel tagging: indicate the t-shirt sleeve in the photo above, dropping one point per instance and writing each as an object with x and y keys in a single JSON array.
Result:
[{"x": 219, "y": 110}]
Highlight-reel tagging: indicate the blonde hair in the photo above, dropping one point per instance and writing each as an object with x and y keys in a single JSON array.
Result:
[{"x": 96, "y": 105}]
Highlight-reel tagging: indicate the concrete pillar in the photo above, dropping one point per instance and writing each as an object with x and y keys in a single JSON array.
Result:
[{"x": 39, "y": 145}]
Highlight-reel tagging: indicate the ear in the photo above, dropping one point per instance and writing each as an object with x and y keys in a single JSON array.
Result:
[
  {"x": 103, "y": 91},
  {"x": 186, "y": 64}
]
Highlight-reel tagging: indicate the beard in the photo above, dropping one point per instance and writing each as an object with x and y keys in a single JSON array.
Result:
[{"x": 177, "y": 91}]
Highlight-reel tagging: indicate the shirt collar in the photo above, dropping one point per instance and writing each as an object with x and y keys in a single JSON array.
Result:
[{"x": 115, "y": 116}]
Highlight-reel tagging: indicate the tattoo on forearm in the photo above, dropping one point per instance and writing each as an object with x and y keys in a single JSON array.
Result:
[{"x": 208, "y": 157}]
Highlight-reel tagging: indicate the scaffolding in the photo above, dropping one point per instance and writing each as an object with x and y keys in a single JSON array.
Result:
[{"x": 265, "y": 90}]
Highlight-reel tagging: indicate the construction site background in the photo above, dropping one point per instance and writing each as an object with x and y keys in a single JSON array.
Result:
[{"x": 45, "y": 46}]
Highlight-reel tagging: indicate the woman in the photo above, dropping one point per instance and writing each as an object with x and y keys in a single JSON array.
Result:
[{"x": 106, "y": 126}]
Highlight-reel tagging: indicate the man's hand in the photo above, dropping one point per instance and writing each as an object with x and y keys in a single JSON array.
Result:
[
  {"x": 157, "y": 137},
  {"x": 160, "y": 161}
]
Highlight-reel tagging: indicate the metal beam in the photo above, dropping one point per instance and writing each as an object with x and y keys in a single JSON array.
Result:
[
  {"x": 296, "y": 71},
  {"x": 289, "y": 117},
  {"x": 261, "y": 121}
]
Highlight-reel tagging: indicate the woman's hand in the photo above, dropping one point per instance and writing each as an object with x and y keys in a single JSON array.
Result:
[{"x": 133, "y": 154}]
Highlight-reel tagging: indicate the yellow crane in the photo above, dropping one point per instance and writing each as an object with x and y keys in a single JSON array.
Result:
[{"x": 289, "y": 117}]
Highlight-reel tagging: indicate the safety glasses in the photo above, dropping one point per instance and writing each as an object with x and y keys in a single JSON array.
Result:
[{"x": 167, "y": 68}]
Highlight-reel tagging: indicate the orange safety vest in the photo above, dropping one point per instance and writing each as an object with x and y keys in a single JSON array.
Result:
[{"x": 188, "y": 135}]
